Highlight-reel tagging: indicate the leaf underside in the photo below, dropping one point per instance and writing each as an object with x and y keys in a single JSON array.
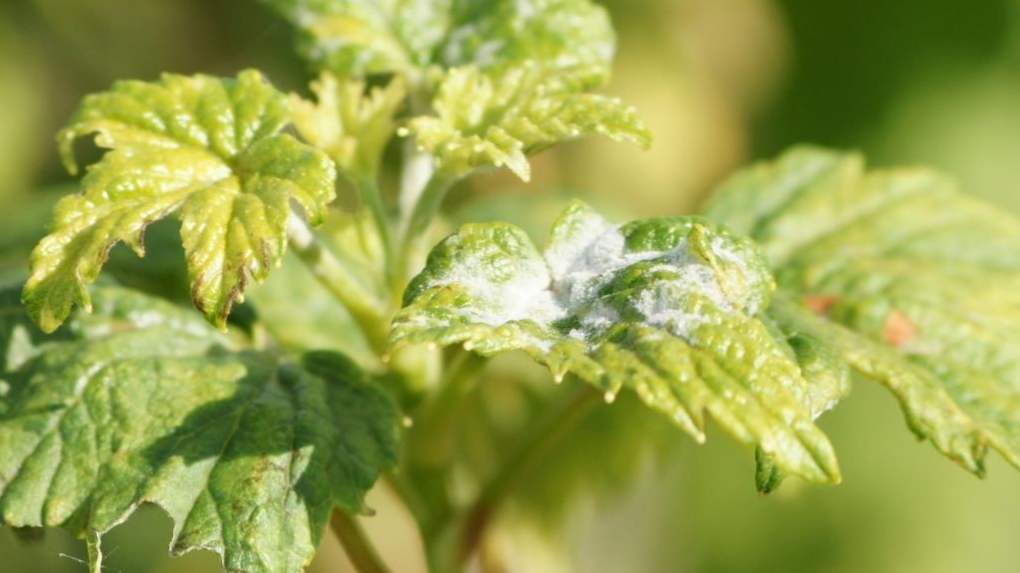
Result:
[
  {"x": 206, "y": 148},
  {"x": 920, "y": 286},
  {"x": 670, "y": 308},
  {"x": 143, "y": 402}
]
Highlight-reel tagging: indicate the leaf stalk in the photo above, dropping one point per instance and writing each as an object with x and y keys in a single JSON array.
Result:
[{"x": 356, "y": 543}]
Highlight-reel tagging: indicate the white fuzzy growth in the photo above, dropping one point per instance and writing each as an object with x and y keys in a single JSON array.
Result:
[
  {"x": 582, "y": 266},
  {"x": 659, "y": 304},
  {"x": 526, "y": 295},
  {"x": 724, "y": 251},
  {"x": 578, "y": 266}
]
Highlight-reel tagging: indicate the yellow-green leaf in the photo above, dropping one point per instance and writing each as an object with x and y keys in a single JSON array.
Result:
[
  {"x": 351, "y": 124},
  {"x": 207, "y": 148},
  {"x": 496, "y": 118}
]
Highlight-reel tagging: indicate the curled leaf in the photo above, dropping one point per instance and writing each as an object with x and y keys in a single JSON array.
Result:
[
  {"x": 351, "y": 124},
  {"x": 670, "y": 308}
]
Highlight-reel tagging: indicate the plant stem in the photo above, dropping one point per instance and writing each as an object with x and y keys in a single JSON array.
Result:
[
  {"x": 416, "y": 171},
  {"x": 364, "y": 306},
  {"x": 434, "y": 422},
  {"x": 554, "y": 425},
  {"x": 94, "y": 551},
  {"x": 430, "y": 442},
  {"x": 412, "y": 243},
  {"x": 356, "y": 544},
  {"x": 371, "y": 197}
]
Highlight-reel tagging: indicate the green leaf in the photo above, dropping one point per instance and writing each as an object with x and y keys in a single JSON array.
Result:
[
  {"x": 558, "y": 34},
  {"x": 670, "y": 308},
  {"x": 350, "y": 124},
  {"x": 368, "y": 36},
  {"x": 920, "y": 285},
  {"x": 206, "y": 147},
  {"x": 145, "y": 403},
  {"x": 497, "y": 118}
]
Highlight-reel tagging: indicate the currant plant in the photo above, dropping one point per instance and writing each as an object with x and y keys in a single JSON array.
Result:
[{"x": 801, "y": 275}]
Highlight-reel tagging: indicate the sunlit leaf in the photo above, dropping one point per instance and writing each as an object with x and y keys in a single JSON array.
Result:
[
  {"x": 924, "y": 281},
  {"x": 670, "y": 308},
  {"x": 498, "y": 118},
  {"x": 143, "y": 402},
  {"x": 371, "y": 36},
  {"x": 206, "y": 147},
  {"x": 350, "y": 124}
]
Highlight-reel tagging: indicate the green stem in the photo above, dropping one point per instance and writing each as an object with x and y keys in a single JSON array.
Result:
[
  {"x": 94, "y": 551},
  {"x": 371, "y": 197},
  {"x": 555, "y": 425},
  {"x": 356, "y": 544},
  {"x": 420, "y": 219},
  {"x": 366, "y": 309},
  {"x": 430, "y": 442}
]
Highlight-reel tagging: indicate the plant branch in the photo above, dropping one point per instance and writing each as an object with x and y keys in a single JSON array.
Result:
[
  {"x": 371, "y": 197},
  {"x": 554, "y": 425},
  {"x": 356, "y": 543},
  {"x": 364, "y": 306},
  {"x": 420, "y": 219},
  {"x": 430, "y": 442},
  {"x": 94, "y": 551}
]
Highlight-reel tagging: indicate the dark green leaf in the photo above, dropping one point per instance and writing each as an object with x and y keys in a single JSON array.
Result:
[{"x": 145, "y": 403}]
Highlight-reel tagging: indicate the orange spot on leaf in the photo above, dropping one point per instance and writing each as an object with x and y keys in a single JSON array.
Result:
[
  {"x": 898, "y": 329},
  {"x": 819, "y": 303}
]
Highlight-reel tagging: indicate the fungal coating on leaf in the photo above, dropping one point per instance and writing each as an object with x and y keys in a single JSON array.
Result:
[
  {"x": 667, "y": 307},
  {"x": 209, "y": 149}
]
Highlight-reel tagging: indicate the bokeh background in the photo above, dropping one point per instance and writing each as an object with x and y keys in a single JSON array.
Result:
[{"x": 721, "y": 82}]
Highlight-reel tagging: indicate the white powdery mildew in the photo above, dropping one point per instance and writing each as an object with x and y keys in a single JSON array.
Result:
[
  {"x": 525, "y": 296},
  {"x": 578, "y": 266},
  {"x": 582, "y": 266},
  {"x": 658, "y": 304},
  {"x": 724, "y": 251}
]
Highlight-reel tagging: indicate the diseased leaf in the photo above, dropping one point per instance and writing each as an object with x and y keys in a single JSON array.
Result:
[
  {"x": 206, "y": 147},
  {"x": 670, "y": 308},
  {"x": 558, "y": 34},
  {"x": 366, "y": 36},
  {"x": 920, "y": 285},
  {"x": 350, "y": 124},
  {"x": 512, "y": 77},
  {"x": 497, "y": 118},
  {"x": 370, "y": 36},
  {"x": 145, "y": 403},
  {"x": 810, "y": 342}
]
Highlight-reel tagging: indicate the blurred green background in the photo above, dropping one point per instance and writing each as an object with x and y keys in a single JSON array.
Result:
[{"x": 721, "y": 82}]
